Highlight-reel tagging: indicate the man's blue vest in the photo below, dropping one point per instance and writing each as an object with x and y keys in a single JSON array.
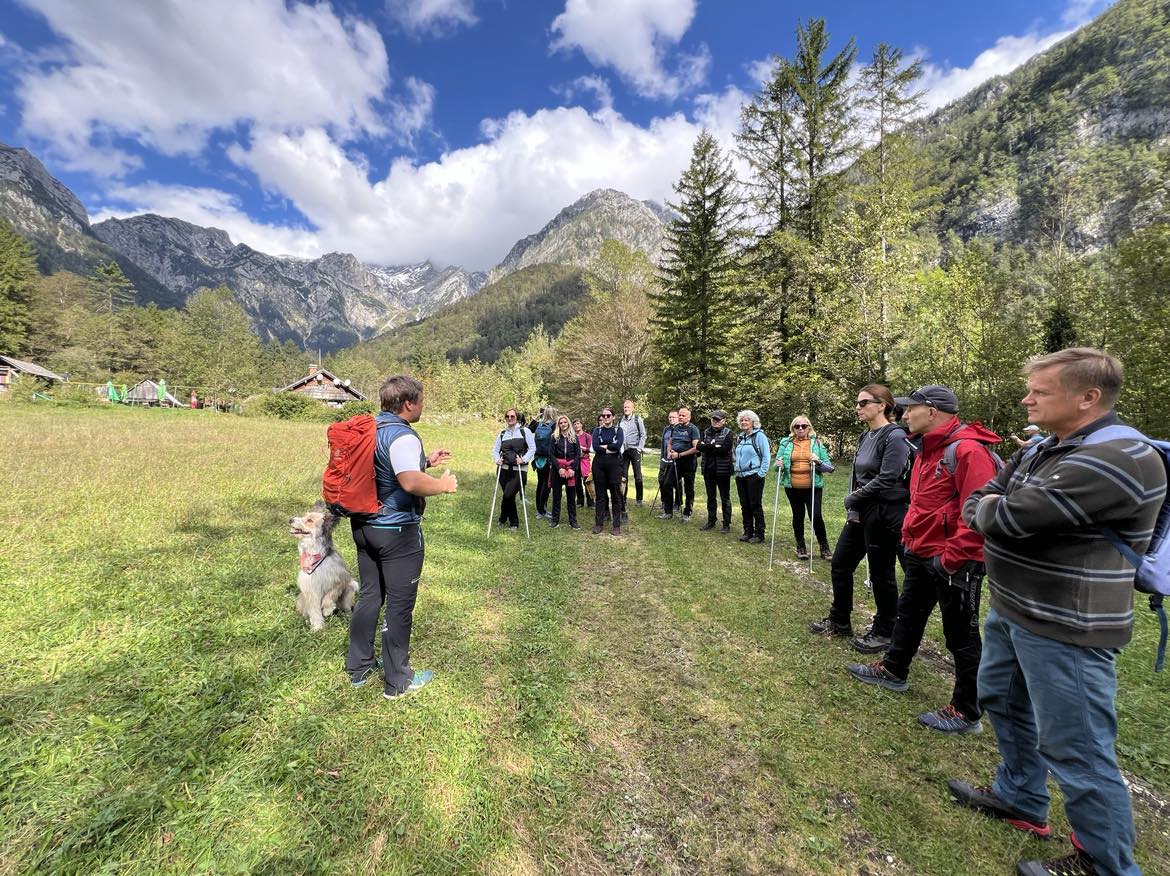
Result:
[{"x": 399, "y": 507}]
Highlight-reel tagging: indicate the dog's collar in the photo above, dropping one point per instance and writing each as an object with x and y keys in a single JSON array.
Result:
[{"x": 310, "y": 562}]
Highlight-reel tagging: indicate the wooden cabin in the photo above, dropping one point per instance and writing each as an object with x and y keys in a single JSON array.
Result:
[
  {"x": 326, "y": 387},
  {"x": 11, "y": 368}
]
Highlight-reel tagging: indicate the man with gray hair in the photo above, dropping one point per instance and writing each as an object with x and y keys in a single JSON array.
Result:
[{"x": 1061, "y": 609}]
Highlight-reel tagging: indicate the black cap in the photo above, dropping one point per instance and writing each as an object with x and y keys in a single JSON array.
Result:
[
  {"x": 718, "y": 414},
  {"x": 939, "y": 397}
]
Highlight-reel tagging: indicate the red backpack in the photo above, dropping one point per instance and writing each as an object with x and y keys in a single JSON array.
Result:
[{"x": 348, "y": 485}]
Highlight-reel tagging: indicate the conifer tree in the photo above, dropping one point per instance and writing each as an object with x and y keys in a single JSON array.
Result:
[
  {"x": 693, "y": 312},
  {"x": 112, "y": 293},
  {"x": 18, "y": 272}
]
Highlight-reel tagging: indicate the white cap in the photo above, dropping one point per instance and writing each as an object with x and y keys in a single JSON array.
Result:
[{"x": 1032, "y": 428}]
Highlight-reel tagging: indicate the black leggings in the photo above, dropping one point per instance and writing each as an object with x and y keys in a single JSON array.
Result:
[
  {"x": 543, "y": 486},
  {"x": 560, "y": 485},
  {"x": 878, "y": 536},
  {"x": 751, "y": 503},
  {"x": 607, "y": 481},
  {"x": 390, "y": 561},
  {"x": 510, "y": 481},
  {"x": 632, "y": 457},
  {"x": 800, "y": 500}
]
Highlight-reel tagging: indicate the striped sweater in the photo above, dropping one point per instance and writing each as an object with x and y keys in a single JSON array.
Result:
[{"x": 1049, "y": 567}]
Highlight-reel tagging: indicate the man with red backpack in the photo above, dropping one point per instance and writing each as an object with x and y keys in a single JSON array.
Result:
[
  {"x": 390, "y": 541},
  {"x": 943, "y": 557}
]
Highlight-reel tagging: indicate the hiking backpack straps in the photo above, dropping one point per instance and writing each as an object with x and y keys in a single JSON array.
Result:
[
  {"x": 1151, "y": 570},
  {"x": 950, "y": 455}
]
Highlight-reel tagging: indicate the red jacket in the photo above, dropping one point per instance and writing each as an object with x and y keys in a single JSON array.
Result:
[{"x": 934, "y": 525}]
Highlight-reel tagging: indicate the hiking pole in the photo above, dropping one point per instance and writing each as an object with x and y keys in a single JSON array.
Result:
[
  {"x": 523, "y": 501},
  {"x": 658, "y": 489},
  {"x": 492, "y": 511},
  {"x": 775, "y": 515},
  {"x": 812, "y": 517}
]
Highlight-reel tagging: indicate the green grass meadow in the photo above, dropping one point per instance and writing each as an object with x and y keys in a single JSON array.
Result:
[{"x": 648, "y": 704}]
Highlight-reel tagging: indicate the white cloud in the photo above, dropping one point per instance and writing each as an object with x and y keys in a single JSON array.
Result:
[
  {"x": 634, "y": 37},
  {"x": 469, "y": 206},
  {"x": 1079, "y": 12},
  {"x": 593, "y": 85},
  {"x": 167, "y": 74},
  {"x": 210, "y": 208},
  {"x": 412, "y": 114},
  {"x": 431, "y": 16}
]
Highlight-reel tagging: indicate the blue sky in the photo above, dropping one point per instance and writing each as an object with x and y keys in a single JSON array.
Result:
[{"x": 404, "y": 130}]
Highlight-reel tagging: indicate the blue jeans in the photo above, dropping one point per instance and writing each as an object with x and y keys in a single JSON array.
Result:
[{"x": 1051, "y": 704}]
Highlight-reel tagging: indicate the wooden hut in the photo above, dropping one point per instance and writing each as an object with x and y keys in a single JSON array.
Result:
[
  {"x": 11, "y": 368},
  {"x": 326, "y": 387},
  {"x": 145, "y": 392}
]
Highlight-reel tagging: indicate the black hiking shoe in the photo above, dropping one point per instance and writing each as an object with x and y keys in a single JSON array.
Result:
[
  {"x": 983, "y": 799},
  {"x": 870, "y": 642},
  {"x": 756, "y": 539},
  {"x": 826, "y": 554},
  {"x": 826, "y": 625},
  {"x": 726, "y": 530},
  {"x": 802, "y": 553},
  {"x": 708, "y": 526},
  {"x": 666, "y": 516},
  {"x": 747, "y": 536},
  {"x": 1077, "y": 864}
]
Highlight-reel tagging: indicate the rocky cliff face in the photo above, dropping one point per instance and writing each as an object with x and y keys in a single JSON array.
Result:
[
  {"x": 327, "y": 303},
  {"x": 53, "y": 220},
  {"x": 575, "y": 235}
]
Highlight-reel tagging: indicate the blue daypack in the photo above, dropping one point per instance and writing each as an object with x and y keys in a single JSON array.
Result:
[
  {"x": 1152, "y": 571},
  {"x": 543, "y": 436}
]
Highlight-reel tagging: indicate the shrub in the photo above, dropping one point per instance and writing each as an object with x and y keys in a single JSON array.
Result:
[
  {"x": 293, "y": 406},
  {"x": 352, "y": 409}
]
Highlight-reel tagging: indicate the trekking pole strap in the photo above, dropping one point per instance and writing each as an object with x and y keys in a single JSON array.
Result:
[{"x": 1156, "y": 606}]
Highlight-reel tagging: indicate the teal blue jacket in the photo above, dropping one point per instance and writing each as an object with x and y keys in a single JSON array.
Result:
[{"x": 784, "y": 458}]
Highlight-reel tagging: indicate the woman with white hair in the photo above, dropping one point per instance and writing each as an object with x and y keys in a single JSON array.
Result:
[{"x": 752, "y": 455}]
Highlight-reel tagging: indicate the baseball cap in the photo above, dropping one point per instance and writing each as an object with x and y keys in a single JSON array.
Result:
[
  {"x": 718, "y": 414},
  {"x": 1032, "y": 428},
  {"x": 939, "y": 397}
]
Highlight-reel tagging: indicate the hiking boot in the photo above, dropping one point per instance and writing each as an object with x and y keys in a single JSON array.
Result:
[
  {"x": 617, "y": 530},
  {"x": 756, "y": 539},
  {"x": 802, "y": 553},
  {"x": 597, "y": 529},
  {"x": 708, "y": 526},
  {"x": 418, "y": 682},
  {"x": 553, "y": 524},
  {"x": 726, "y": 530},
  {"x": 826, "y": 554},
  {"x": 876, "y": 673},
  {"x": 574, "y": 526},
  {"x": 361, "y": 679},
  {"x": 1077, "y": 864},
  {"x": 983, "y": 799},
  {"x": 747, "y": 536},
  {"x": 948, "y": 719},
  {"x": 666, "y": 516},
  {"x": 513, "y": 529},
  {"x": 870, "y": 642},
  {"x": 686, "y": 518},
  {"x": 625, "y": 517},
  {"x": 639, "y": 503},
  {"x": 826, "y": 625}
]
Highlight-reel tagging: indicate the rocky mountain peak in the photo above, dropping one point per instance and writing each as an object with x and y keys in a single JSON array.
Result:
[{"x": 576, "y": 233}]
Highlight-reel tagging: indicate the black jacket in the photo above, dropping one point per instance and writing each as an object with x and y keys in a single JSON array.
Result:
[
  {"x": 567, "y": 448},
  {"x": 716, "y": 446}
]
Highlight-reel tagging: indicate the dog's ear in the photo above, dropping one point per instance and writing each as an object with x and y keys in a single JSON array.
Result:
[
  {"x": 319, "y": 506},
  {"x": 328, "y": 521}
]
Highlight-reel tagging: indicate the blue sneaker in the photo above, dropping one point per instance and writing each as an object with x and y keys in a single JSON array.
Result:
[
  {"x": 948, "y": 719},
  {"x": 361, "y": 679},
  {"x": 420, "y": 680}
]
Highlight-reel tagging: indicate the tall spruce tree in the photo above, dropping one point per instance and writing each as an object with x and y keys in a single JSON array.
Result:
[
  {"x": 112, "y": 293},
  {"x": 18, "y": 273},
  {"x": 693, "y": 312}
]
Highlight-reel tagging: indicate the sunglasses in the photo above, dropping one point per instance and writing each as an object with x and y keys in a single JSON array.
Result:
[
  {"x": 606, "y": 416},
  {"x": 801, "y": 426},
  {"x": 509, "y": 416},
  {"x": 862, "y": 402}
]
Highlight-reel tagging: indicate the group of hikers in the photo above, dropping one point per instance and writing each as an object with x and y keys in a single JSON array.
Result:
[{"x": 1057, "y": 532}]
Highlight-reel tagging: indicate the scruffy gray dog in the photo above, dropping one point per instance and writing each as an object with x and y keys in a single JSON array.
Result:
[{"x": 324, "y": 580}]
